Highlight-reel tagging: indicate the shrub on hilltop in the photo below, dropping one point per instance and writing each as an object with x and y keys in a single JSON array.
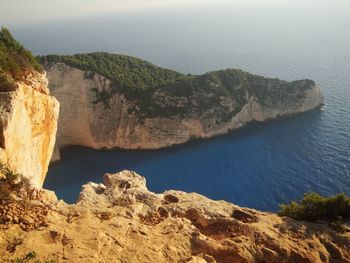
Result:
[
  {"x": 125, "y": 71},
  {"x": 315, "y": 207},
  {"x": 15, "y": 60}
]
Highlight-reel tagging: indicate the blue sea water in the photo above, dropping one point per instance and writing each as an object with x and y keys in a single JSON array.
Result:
[{"x": 259, "y": 166}]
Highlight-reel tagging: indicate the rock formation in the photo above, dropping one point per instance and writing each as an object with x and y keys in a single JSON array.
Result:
[
  {"x": 28, "y": 125},
  {"x": 97, "y": 113},
  {"x": 121, "y": 221},
  {"x": 28, "y": 114}
]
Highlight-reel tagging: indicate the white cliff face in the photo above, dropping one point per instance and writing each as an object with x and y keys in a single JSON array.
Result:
[
  {"x": 253, "y": 111},
  {"x": 86, "y": 122},
  {"x": 28, "y": 125}
]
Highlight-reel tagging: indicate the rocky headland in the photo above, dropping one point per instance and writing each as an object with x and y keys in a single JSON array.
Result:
[{"x": 115, "y": 101}]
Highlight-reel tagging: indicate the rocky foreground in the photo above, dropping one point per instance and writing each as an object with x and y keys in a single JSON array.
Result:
[{"x": 121, "y": 221}]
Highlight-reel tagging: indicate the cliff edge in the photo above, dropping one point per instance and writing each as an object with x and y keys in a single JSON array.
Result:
[
  {"x": 28, "y": 114},
  {"x": 121, "y": 221}
]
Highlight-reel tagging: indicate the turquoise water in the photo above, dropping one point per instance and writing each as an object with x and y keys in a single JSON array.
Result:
[{"x": 259, "y": 166}]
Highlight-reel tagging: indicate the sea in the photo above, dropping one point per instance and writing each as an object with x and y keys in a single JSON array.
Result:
[{"x": 259, "y": 166}]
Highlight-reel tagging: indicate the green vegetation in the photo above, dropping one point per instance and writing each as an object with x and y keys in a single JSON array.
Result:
[
  {"x": 125, "y": 71},
  {"x": 162, "y": 92},
  {"x": 30, "y": 257},
  {"x": 6, "y": 82},
  {"x": 15, "y": 60},
  {"x": 131, "y": 76},
  {"x": 6, "y": 174},
  {"x": 315, "y": 207},
  {"x": 10, "y": 182}
]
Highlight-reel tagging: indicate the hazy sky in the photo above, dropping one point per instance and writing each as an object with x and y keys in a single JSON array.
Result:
[
  {"x": 17, "y": 12},
  {"x": 28, "y": 11}
]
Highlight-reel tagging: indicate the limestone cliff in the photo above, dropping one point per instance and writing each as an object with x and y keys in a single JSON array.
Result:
[
  {"x": 28, "y": 114},
  {"x": 28, "y": 125},
  {"x": 98, "y": 112},
  {"x": 121, "y": 221}
]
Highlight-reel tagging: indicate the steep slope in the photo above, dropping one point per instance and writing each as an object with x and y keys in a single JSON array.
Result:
[
  {"x": 28, "y": 120},
  {"x": 124, "y": 102},
  {"x": 121, "y": 221}
]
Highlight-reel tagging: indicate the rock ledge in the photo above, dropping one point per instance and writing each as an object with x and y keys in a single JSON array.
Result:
[{"x": 121, "y": 221}]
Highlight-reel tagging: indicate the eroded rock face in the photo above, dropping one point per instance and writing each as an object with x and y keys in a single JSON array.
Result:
[
  {"x": 28, "y": 125},
  {"x": 95, "y": 115},
  {"x": 121, "y": 221}
]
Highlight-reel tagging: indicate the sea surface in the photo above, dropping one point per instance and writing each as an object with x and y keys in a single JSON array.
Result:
[{"x": 259, "y": 166}]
